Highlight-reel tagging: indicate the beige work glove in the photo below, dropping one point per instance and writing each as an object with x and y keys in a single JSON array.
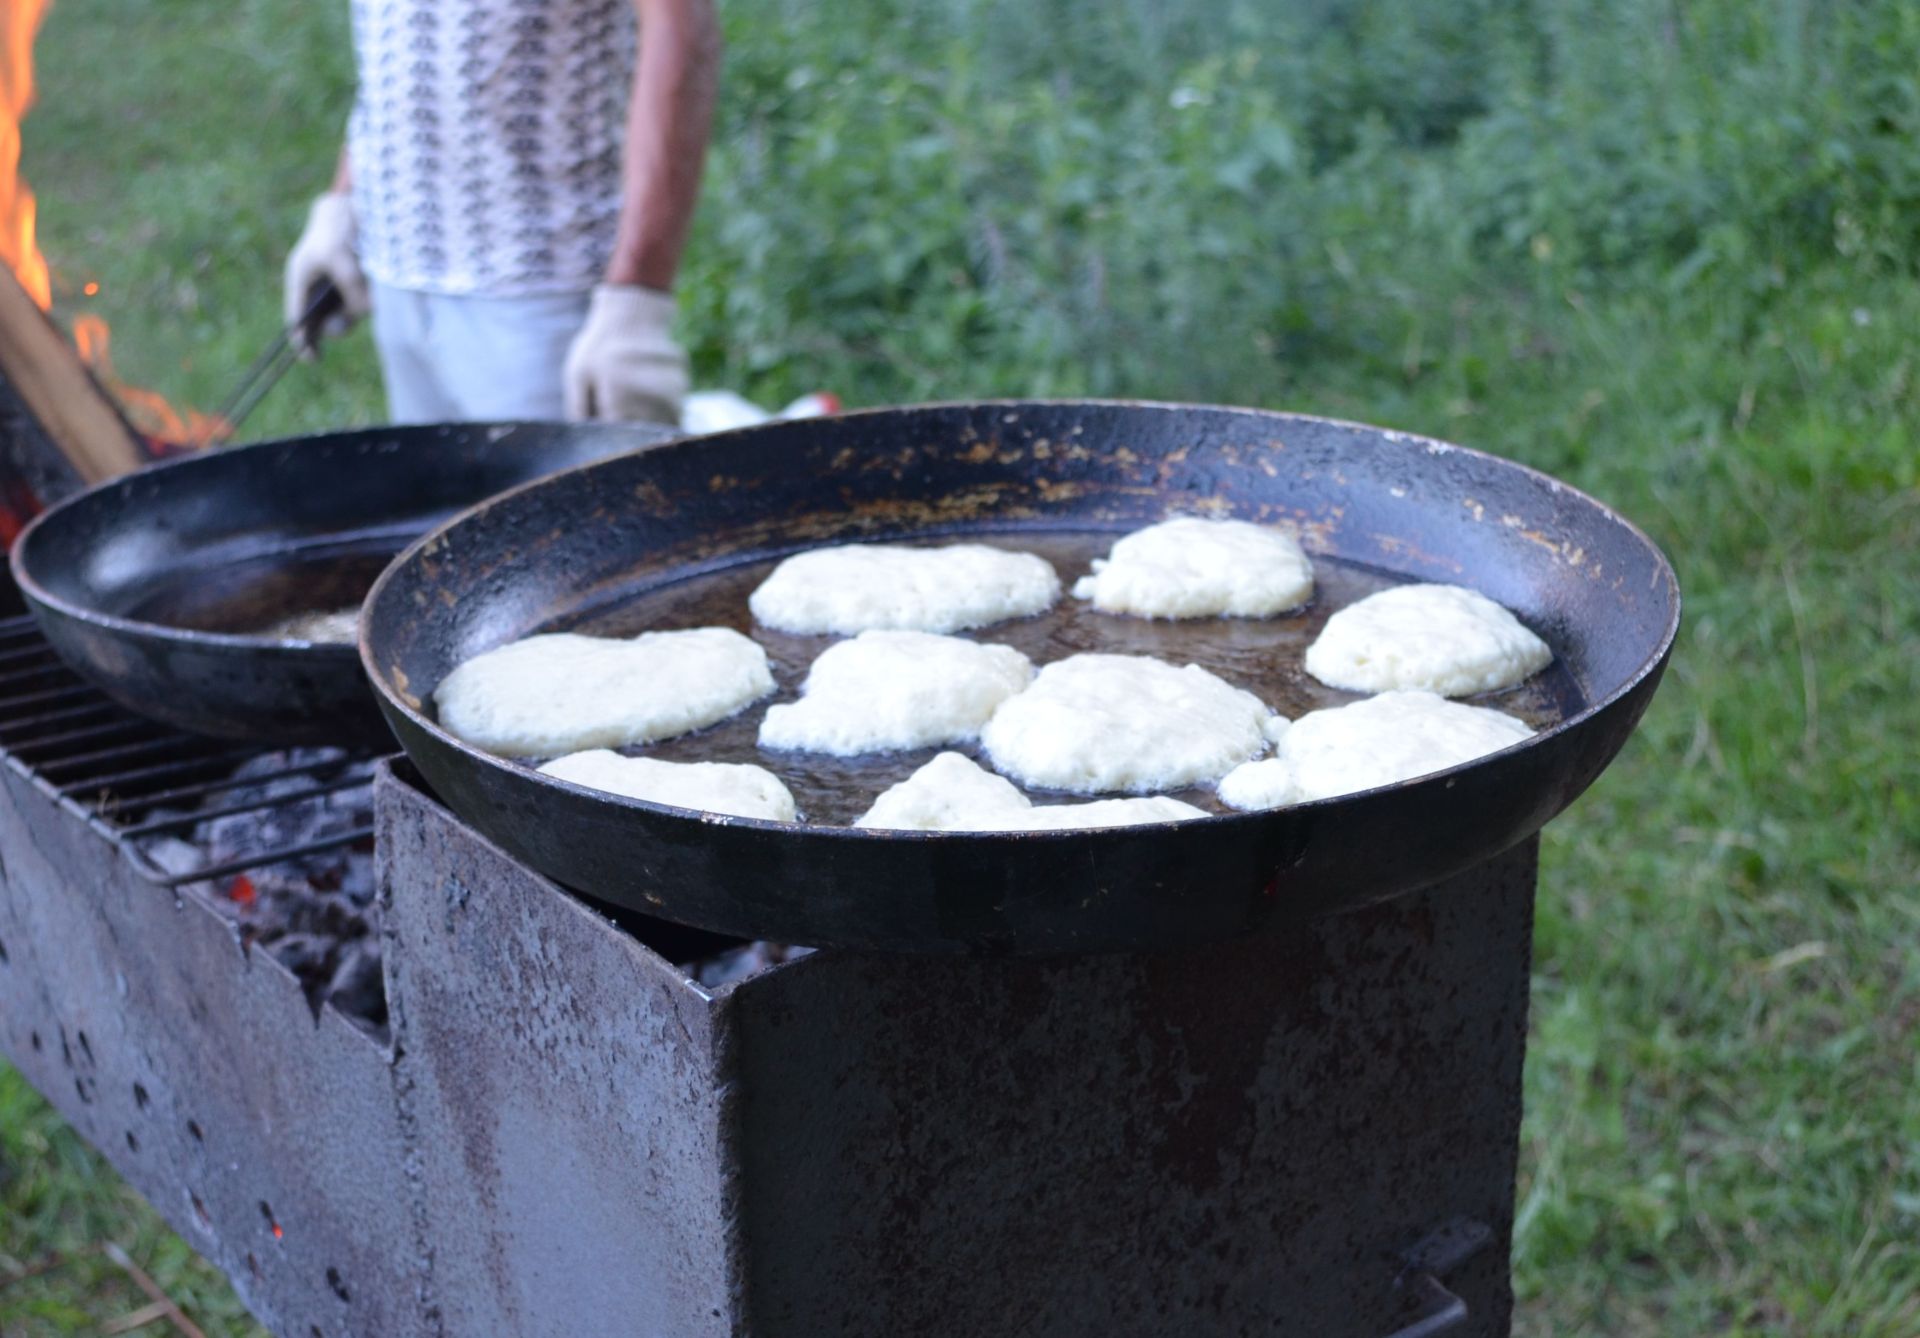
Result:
[
  {"x": 624, "y": 363},
  {"x": 325, "y": 251}
]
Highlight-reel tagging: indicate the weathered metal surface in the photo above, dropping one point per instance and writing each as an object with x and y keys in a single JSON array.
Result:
[
  {"x": 567, "y": 1137},
  {"x": 579, "y": 548},
  {"x": 266, "y": 1136},
  {"x": 154, "y": 586},
  {"x": 1241, "y": 1140},
  {"x": 567, "y": 1098},
  {"x": 1218, "y": 1142}
]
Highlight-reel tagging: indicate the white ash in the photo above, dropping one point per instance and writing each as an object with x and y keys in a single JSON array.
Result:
[{"x": 313, "y": 913}]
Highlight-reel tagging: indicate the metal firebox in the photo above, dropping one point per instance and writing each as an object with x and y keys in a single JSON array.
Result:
[{"x": 558, "y": 1132}]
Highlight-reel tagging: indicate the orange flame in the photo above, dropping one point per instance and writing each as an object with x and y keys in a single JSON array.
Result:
[
  {"x": 20, "y": 251},
  {"x": 18, "y": 24}
]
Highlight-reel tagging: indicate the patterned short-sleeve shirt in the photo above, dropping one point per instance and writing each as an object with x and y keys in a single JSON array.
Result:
[{"x": 486, "y": 141}]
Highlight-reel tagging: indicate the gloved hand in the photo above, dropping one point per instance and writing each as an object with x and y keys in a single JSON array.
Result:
[
  {"x": 624, "y": 363},
  {"x": 325, "y": 251}
]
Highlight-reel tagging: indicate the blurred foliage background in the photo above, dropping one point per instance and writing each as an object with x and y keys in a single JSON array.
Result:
[{"x": 1665, "y": 249}]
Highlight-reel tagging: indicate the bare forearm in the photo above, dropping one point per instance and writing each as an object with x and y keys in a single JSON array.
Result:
[
  {"x": 668, "y": 124},
  {"x": 342, "y": 174}
]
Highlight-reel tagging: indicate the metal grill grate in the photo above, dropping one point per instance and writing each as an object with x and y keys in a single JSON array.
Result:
[{"x": 117, "y": 770}]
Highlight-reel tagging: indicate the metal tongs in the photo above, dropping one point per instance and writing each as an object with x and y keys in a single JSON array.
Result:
[{"x": 323, "y": 302}]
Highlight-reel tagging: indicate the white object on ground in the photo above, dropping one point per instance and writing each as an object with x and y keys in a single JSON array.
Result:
[
  {"x": 1440, "y": 638},
  {"x": 892, "y": 690},
  {"x": 561, "y": 692},
  {"x": 736, "y": 788},
  {"x": 1380, "y": 741},
  {"x": 953, "y": 793},
  {"x": 1195, "y": 568},
  {"x": 860, "y": 587},
  {"x": 722, "y": 410},
  {"x": 1099, "y": 723}
]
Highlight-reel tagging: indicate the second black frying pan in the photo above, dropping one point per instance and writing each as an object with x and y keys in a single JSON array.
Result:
[
  {"x": 170, "y": 589},
  {"x": 678, "y": 537}
]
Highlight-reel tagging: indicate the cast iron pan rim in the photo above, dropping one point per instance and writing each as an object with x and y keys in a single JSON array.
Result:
[
  {"x": 393, "y": 700},
  {"x": 140, "y": 628}
]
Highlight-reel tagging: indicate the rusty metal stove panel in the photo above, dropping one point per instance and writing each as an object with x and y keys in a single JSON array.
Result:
[
  {"x": 266, "y": 1136},
  {"x": 1238, "y": 1140},
  {"x": 565, "y": 1136},
  {"x": 1230, "y": 1141},
  {"x": 567, "y": 1092}
]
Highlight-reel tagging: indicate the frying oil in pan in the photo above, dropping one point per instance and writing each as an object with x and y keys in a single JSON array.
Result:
[
  {"x": 1260, "y": 655},
  {"x": 267, "y": 596}
]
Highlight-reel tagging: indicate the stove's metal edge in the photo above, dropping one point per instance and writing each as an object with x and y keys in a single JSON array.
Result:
[
  {"x": 201, "y": 1074},
  {"x": 575, "y": 1095}
]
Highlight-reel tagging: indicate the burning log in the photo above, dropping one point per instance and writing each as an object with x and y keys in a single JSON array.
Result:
[
  {"x": 60, "y": 426},
  {"x": 41, "y": 370}
]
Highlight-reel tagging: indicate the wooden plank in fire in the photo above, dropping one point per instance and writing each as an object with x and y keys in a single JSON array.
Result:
[{"x": 45, "y": 372}]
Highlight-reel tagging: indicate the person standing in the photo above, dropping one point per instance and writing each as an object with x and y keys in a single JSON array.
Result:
[{"x": 512, "y": 202}]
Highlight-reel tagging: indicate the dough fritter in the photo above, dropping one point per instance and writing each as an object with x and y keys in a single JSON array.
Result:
[{"x": 561, "y": 692}]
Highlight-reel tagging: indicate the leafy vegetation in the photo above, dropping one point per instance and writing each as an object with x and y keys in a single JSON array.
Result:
[{"x": 1662, "y": 248}]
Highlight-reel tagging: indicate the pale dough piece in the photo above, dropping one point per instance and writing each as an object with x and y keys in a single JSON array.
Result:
[
  {"x": 738, "y": 788},
  {"x": 893, "y": 690},
  {"x": 1195, "y": 568},
  {"x": 945, "y": 795},
  {"x": 1094, "y": 724},
  {"x": 954, "y": 794},
  {"x": 560, "y": 692},
  {"x": 320, "y": 628},
  {"x": 1440, "y": 638},
  {"x": 1380, "y": 741},
  {"x": 1107, "y": 813},
  {"x": 1267, "y": 783},
  {"x": 861, "y": 587}
]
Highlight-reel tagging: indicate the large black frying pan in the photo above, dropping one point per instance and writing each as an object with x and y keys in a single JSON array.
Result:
[
  {"x": 156, "y": 586},
  {"x": 678, "y": 536}
]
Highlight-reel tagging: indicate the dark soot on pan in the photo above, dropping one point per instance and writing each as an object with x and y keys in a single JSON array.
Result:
[{"x": 1260, "y": 655}]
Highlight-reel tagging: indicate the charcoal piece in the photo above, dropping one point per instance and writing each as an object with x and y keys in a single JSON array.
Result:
[
  {"x": 303, "y": 954},
  {"x": 314, "y": 913},
  {"x": 357, "y": 987}
]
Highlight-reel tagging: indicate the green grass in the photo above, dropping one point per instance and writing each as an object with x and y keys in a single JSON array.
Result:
[
  {"x": 1665, "y": 251},
  {"x": 174, "y": 151},
  {"x": 58, "y": 1202}
]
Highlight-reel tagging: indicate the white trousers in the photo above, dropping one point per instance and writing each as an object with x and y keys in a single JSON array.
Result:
[{"x": 460, "y": 359}]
